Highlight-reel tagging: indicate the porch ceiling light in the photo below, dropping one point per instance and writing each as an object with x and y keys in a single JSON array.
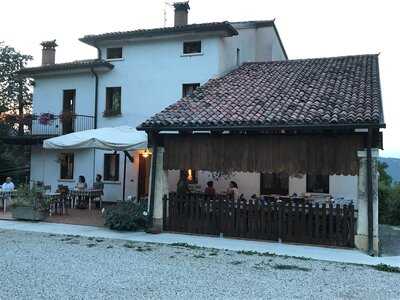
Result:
[{"x": 146, "y": 153}]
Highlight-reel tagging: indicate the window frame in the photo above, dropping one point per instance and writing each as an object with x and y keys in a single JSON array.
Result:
[
  {"x": 276, "y": 177},
  {"x": 64, "y": 156},
  {"x": 113, "y": 49},
  {"x": 109, "y": 112},
  {"x": 325, "y": 189},
  {"x": 106, "y": 173},
  {"x": 186, "y": 85},
  {"x": 184, "y": 48}
]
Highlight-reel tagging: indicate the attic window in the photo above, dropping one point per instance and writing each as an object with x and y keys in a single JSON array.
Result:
[
  {"x": 114, "y": 53},
  {"x": 193, "y": 47}
]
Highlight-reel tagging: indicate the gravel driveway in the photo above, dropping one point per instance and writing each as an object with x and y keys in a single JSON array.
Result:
[{"x": 45, "y": 266}]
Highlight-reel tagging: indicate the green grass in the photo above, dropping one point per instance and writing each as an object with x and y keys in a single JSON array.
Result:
[
  {"x": 248, "y": 252},
  {"x": 143, "y": 249},
  {"x": 386, "y": 268},
  {"x": 129, "y": 245},
  {"x": 290, "y": 267},
  {"x": 186, "y": 245},
  {"x": 236, "y": 262}
]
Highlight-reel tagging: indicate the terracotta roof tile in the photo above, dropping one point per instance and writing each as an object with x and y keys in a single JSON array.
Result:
[{"x": 321, "y": 91}]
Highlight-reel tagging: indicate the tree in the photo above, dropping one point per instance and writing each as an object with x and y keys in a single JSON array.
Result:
[
  {"x": 389, "y": 197},
  {"x": 15, "y": 98},
  {"x": 15, "y": 91}
]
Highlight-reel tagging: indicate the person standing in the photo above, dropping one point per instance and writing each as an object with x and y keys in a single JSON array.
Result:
[
  {"x": 8, "y": 185},
  {"x": 233, "y": 190},
  {"x": 183, "y": 185},
  {"x": 210, "y": 191}
]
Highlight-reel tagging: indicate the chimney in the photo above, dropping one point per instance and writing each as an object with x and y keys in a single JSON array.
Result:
[
  {"x": 181, "y": 13},
  {"x": 48, "y": 52}
]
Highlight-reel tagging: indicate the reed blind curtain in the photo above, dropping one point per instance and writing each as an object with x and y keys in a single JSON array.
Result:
[{"x": 291, "y": 154}]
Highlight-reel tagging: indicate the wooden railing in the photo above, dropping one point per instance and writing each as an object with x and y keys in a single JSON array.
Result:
[{"x": 278, "y": 221}]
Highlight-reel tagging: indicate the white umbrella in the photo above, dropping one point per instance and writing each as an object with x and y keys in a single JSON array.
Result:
[{"x": 122, "y": 138}]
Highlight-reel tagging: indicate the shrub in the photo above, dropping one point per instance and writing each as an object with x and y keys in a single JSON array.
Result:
[
  {"x": 30, "y": 197},
  {"x": 126, "y": 216}
]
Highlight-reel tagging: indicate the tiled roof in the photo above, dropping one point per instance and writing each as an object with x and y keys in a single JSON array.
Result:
[
  {"x": 74, "y": 65},
  {"x": 224, "y": 27},
  {"x": 321, "y": 91}
]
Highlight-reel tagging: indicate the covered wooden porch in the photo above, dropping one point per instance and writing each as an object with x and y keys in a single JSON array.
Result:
[{"x": 285, "y": 219}]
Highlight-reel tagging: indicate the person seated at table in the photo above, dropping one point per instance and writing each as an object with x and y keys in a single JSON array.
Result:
[
  {"x": 210, "y": 191},
  {"x": 81, "y": 185},
  {"x": 233, "y": 190},
  {"x": 183, "y": 184},
  {"x": 8, "y": 185},
  {"x": 98, "y": 184}
]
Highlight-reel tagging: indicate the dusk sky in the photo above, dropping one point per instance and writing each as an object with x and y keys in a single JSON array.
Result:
[{"x": 308, "y": 29}]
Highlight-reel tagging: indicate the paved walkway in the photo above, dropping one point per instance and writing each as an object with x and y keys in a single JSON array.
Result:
[
  {"x": 389, "y": 237},
  {"x": 313, "y": 252}
]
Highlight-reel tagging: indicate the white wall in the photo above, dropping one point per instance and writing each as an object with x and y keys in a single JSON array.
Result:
[
  {"x": 113, "y": 190},
  {"x": 151, "y": 75},
  {"x": 46, "y": 167},
  {"x": 339, "y": 186},
  {"x": 249, "y": 183},
  {"x": 245, "y": 41},
  {"x": 343, "y": 186},
  {"x": 277, "y": 51},
  {"x": 48, "y": 93},
  {"x": 297, "y": 184}
]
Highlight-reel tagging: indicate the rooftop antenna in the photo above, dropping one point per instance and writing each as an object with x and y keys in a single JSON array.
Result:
[{"x": 166, "y": 4}]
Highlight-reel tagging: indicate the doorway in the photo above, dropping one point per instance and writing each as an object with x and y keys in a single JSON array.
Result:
[
  {"x": 68, "y": 111},
  {"x": 144, "y": 176}
]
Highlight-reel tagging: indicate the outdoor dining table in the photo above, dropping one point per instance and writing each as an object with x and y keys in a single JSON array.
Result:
[
  {"x": 89, "y": 194},
  {"x": 5, "y": 196}
]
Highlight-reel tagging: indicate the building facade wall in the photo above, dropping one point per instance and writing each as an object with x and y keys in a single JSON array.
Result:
[{"x": 249, "y": 183}]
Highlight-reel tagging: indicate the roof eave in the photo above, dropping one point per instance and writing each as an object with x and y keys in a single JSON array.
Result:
[
  {"x": 259, "y": 127},
  {"x": 226, "y": 30},
  {"x": 71, "y": 70}
]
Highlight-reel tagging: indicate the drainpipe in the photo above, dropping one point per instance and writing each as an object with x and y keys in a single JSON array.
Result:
[
  {"x": 96, "y": 90},
  {"x": 96, "y": 105},
  {"x": 96, "y": 96},
  {"x": 154, "y": 144},
  {"x": 369, "y": 194}
]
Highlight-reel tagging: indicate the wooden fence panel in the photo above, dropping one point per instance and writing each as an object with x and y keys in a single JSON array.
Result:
[{"x": 286, "y": 221}]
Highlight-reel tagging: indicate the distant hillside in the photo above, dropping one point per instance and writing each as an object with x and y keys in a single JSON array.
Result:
[{"x": 393, "y": 167}]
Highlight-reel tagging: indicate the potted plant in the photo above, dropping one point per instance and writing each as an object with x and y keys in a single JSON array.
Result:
[{"x": 29, "y": 204}]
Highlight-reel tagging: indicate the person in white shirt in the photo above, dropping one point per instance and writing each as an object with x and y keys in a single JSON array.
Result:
[{"x": 8, "y": 186}]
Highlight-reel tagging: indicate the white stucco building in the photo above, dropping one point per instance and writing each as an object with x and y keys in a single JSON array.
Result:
[{"x": 136, "y": 74}]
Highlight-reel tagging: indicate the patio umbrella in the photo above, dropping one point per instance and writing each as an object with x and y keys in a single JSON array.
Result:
[{"x": 122, "y": 138}]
